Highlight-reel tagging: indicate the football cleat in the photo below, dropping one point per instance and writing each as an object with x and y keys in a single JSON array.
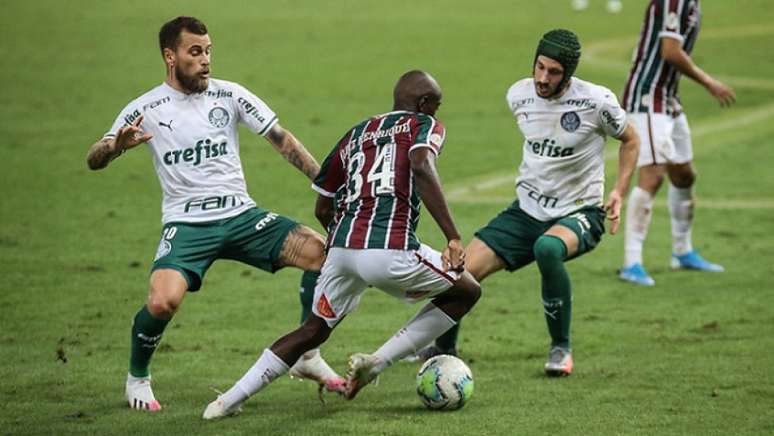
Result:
[
  {"x": 139, "y": 394},
  {"x": 559, "y": 362},
  {"x": 636, "y": 274},
  {"x": 362, "y": 371},
  {"x": 429, "y": 352},
  {"x": 217, "y": 409},
  {"x": 693, "y": 261},
  {"x": 311, "y": 366}
]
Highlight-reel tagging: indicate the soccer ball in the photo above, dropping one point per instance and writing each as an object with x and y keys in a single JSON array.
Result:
[{"x": 444, "y": 382}]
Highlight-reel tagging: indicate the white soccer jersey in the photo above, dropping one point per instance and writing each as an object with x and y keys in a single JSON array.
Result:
[
  {"x": 195, "y": 146},
  {"x": 562, "y": 166}
]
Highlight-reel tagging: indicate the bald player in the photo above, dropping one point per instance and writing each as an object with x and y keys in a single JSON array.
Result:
[
  {"x": 385, "y": 164},
  {"x": 559, "y": 213}
]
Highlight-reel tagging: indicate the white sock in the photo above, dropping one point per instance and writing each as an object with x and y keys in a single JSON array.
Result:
[
  {"x": 265, "y": 370},
  {"x": 426, "y": 325},
  {"x": 639, "y": 210},
  {"x": 680, "y": 202}
]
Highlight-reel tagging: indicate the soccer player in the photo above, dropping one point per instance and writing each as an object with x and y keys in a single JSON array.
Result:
[
  {"x": 189, "y": 123},
  {"x": 385, "y": 165},
  {"x": 558, "y": 214},
  {"x": 661, "y": 58}
]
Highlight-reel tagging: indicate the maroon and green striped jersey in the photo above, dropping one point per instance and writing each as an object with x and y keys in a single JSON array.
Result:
[
  {"x": 652, "y": 84},
  {"x": 370, "y": 170}
]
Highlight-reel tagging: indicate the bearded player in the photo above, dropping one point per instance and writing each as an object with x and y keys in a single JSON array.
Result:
[
  {"x": 385, "y": 165},
  {"x": 189, "y": 124},
  {"x": 559, "y": 213}
]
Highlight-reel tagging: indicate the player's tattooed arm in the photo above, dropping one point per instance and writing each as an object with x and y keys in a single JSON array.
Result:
[
  {"x": 293, "y": 151},
  {"x": 106, "y": 149},
  {"x": 101, "y": 153}
]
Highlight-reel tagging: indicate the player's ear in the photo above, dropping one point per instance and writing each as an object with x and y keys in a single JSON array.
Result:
[
  {"x": 169, "y": 57},
  {"x": 422, "y": 102}
]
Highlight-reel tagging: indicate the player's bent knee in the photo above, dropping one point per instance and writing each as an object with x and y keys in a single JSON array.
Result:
[
  {"x": 549, "y": 248},
  {"x": 161, "y": 307}
]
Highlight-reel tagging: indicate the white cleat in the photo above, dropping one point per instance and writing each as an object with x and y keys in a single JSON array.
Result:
[
  {"x": 139, "y": 394},
  {"x": 311, "y": 366},
  {"x": 217, "y": 409},
  {"x": 363, "y": 369}
]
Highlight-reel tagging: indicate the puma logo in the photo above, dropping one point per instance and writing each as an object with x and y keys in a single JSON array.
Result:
[{"x": 168, "y": 126}]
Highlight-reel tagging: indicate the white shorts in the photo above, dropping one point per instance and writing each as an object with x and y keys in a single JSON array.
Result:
[
  {"x": 410, "y": 275},
  {"x": 663, "y": 139}
]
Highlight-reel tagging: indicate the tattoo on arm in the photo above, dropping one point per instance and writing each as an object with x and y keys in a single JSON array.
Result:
[
  {"x": 101, "y": 153},
  {"x": 293, "y": 151}
]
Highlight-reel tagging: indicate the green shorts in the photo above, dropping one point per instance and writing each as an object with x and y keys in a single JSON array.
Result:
[
  {"x": 512, "y": 233},
  {"x": 254, "y": 237}
]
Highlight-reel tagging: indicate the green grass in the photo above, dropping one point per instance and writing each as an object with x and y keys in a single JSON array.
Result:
[{"x": 689, "y": 356}]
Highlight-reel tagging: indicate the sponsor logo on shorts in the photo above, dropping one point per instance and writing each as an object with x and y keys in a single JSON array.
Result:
[
  {"x": 164, "y": 248},
  {"x": 263, "y": 222},
  {"x": 218, "y": 117},
  {"x": 324, "y": 308},
  {"x": 570, "y": 121}
]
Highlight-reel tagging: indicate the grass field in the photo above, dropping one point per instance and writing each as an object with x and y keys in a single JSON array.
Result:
[{"x": 689, "y": 356}]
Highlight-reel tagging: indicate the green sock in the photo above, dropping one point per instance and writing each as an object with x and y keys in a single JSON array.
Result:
[
  {"x": 146, "y": 335},
  {"x": 550, "y": 252},
  {"x": 308, "y": 282},
  {"x": 448, "y": 340}
]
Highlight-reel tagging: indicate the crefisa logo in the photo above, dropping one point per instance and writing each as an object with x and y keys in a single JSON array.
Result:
[
  {"x": 570, "y": 121},
  {"x": 218, "y": 117}
]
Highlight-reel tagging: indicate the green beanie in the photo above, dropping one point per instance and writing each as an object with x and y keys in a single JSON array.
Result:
[{"x": 562, "y": 46}]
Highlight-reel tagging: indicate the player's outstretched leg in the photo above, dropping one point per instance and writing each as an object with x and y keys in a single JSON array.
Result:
[
  {"x": 273, "y": 363},
  {"x": 312, "y": 366},
  {"x": 436, "y": 317}
]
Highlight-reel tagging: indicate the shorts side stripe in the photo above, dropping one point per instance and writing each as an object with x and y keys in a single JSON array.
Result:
[
  {"x": 430, "y": 265},
  {"x": 650, "y": 137}
]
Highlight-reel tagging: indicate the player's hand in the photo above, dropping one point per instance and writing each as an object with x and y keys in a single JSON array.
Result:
[
  {"x": 453, "y": 256},
  {"x": 613, "y": 209},
  {"x": 131, "y": 136},
  {"x": 723, "y": 93}
]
